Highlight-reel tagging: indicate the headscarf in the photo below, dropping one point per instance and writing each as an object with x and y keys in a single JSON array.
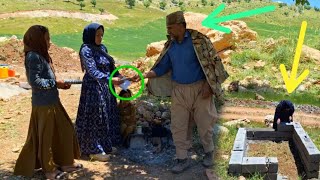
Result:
[
  {"x": 88, "y": 38},
  {"x": 34, "y": 40}
]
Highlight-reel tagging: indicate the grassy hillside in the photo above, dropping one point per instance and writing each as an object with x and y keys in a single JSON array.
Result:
[{"x": 139, "y": 26}]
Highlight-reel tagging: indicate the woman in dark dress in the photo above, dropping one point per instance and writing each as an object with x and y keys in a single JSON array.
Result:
[{"x": 97, "y": 123}]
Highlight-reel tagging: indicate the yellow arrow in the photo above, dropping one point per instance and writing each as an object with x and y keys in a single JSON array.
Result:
[{"x": 292, "y": 83}]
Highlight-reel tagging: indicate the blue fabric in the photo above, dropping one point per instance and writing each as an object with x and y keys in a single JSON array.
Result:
[
  {"x": 42, "y": 80},
  {"x": 183, "y": 61},
  {"x": 97, "y": 123},
  {"x": 89, "y": 33}
]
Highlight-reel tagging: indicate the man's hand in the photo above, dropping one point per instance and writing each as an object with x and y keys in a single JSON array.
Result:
[
  {"x": 62, "y": 85},
  {"x": 116, "y": 81},
  {"x": 290, "y": 118},
  {"x": 278, "y": 121},
  {"x": 150, "y": 74},
  {"x": 206, "y": 90},
  {"x": 135, "y": 78}
]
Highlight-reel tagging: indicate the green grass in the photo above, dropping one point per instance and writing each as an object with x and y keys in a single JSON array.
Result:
[{"x": 295, "y": 97}]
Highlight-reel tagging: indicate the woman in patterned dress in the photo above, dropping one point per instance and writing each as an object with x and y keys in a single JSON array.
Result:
[{"x": 97, "y": 123}]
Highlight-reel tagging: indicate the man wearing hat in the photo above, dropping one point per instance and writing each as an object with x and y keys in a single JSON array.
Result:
[{"x": 189, "y": 70}]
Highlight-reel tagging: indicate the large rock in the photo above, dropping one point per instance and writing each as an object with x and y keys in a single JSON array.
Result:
[
  {"x": 254, "y": 83},
  {"x": 155, "y": 48},
  {"x": 8, "y": 90},
  {"x": 311, "y": 53},
  {"x": 240, "y": 33}
]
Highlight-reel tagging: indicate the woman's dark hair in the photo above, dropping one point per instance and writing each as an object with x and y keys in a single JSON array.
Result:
[{"x": 34, "y": 40}]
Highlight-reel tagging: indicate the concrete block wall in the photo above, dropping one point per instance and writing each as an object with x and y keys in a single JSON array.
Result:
[
  {"x": 308, "y": 152},
  {"x": 268, "y": 166}
]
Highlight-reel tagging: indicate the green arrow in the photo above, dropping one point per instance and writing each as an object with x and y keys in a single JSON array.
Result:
[{"x": 212, "y": 21}]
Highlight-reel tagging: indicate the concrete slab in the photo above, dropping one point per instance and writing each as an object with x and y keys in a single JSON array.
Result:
[
  {"x": 254, "y": 165},
  {"x": 312, "y": 174},
  {"x": 287, "y": 127},
  {"x": 271, "y": 135},
  {"x": 235, "y": 162},
  {"x": 271, "y": 176},
  {"x": 296, "y": 125},
  {"x": 305, "y": 144},
  {"x": 272, "y": 165}
]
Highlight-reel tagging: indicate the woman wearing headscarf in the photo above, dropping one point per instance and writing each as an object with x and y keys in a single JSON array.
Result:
[
  {"x": 51, "y": 142},
  {"x": 97, "y": 123},
  {"x": 283, "y": 114}
]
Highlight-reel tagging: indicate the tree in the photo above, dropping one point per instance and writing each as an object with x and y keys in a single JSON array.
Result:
[
  {"x": 101, "y": 10},
  {"x": 204, "y": 2},
  {"x": 302, "y": 2},
  {"x": 146, "y": 3},
  {"x": 163, "y": 4},
  {"x": 94, "y": 3},
  {"x": 130, "y": 3},
  {"x": 82, "y": 5}
]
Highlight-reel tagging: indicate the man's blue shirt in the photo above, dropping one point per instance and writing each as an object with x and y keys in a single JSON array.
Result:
[{"x": 183, "y": 61}]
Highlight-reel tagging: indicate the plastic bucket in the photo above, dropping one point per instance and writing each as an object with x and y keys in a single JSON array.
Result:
[
  {"x": 3, "y": 71},
  {"x": 11, "y": 73}
]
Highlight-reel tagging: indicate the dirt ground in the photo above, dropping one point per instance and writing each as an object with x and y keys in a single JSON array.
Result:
[
  {"x": 15, "y": 114},
  {"x": 14, "y": 123},
  {"x": 287, "y": 163}
]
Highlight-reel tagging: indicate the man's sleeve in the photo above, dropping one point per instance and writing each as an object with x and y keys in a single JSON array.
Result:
[{"x": 163, "y": 66}]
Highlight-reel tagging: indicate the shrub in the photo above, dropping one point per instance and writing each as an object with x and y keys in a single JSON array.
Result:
[
  {"x": 163, "y": 4},
  {"x": 94, "y": 3},
  {"x": 204, "y": 2},
  {"x": 307, "y": 7},
  {"x": 282, "y": 55},
  {"x": 146, "y": 3},
  {"x": 101, "y": 10},
  {"x": 130, "y": 3}
]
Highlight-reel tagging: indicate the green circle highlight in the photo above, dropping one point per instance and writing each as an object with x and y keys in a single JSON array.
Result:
[{"x": 140, "y": 90}]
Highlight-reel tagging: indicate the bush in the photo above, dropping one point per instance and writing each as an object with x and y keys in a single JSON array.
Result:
[
  {"x": 175, "y": 2},
  {"x": 101, "y": 10},
  {"x": 247, "y": 1},
  {"x": 204, "y": 2},
  {"x": 130, "y": 3},
  {"x": 146, "y": 3},
  {"x": 163, "y": 4},
  {"x": 239, "y": 59},
  {"x": 282, "y": 55},
  {"x": 286, "y": 14},
  {"x": 94, "y": 3},
  {"x": 182, "y": 6},
  {"x": 307, "y": 7},
  {"x": 229, "y": 1},
  {"x": 316, "y": 9},
  {"x": 224, "y": 1},
  {"x": 82, "y": 5},
  {"x": 282, "y": 5},
  {"x": 212, "y": 3}
]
